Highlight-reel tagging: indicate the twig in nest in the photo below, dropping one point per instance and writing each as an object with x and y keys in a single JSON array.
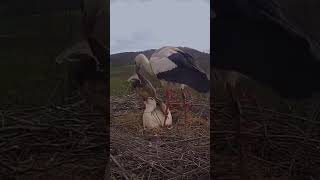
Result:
[
  {"x": 122, "y": 169},
  {"x": 184, "y": 140}
]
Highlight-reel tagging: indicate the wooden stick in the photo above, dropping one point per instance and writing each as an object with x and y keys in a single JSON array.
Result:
[{"x": 122, "y": 169}]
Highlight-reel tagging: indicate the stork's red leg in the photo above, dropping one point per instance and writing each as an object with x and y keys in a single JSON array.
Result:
[
  {"x": 169, "y": 98},
  {"x": 186, "y": 103}
]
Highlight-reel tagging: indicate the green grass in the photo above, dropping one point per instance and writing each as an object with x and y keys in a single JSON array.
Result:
[{"x": 118, "y": 79}]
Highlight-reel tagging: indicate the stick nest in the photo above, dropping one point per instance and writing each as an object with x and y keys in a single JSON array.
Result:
[
  {"x": 182, "y": 152},
  {"x": 277, "y": 141},
  {"x": 52, "y": 142}
]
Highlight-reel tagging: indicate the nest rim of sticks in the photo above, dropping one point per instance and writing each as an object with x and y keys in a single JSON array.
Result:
[
  {"x": 276, "y": 141},
  {"x": 180, "y": 152},
  {"x": 53, "y": 141}
]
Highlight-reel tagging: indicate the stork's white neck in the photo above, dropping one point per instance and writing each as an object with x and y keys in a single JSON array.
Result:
[
  {"x": 147, "y": 66},
  {"x": 143, "y": 62}
]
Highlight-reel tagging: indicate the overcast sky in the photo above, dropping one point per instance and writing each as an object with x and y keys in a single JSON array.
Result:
[{"x": 149, "y": 24}]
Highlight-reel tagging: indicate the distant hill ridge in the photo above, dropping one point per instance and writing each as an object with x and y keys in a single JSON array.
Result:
[{"x": 127, "y": 58}]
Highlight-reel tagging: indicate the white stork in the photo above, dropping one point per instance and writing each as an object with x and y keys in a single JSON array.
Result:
[{"x": 175, "y": 69}]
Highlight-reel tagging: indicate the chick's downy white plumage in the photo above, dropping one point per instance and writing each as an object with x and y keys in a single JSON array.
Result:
[{"x": 153, "y": 116}]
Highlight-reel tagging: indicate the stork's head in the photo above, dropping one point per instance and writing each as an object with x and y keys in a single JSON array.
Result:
[
  {"x": 140, "y": 60},
  {"x": 133, "y": 78},
  {"x": 134, "y": 81}
]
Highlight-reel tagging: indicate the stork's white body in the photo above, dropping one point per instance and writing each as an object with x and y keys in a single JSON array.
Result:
[
  {"x": 159, "y": 60},
  {"x": 174, "y": 68},
  {"x": 153, "y": 116}
]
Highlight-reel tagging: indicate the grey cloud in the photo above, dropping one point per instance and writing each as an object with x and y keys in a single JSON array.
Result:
[
  {"x": 136, "y": 39},
  {"x": 207, "y": 1},
  {"x": 151, "y": 28},
  {"x": 114, "y": 1}
]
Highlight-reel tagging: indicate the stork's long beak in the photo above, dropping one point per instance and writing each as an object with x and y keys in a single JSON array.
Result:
[
  {"x": 134, "y": 78},
  {"x": 133, "y": 83}
]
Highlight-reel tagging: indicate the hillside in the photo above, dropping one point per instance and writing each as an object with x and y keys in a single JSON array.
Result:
[{"x": 126, "y": 58}]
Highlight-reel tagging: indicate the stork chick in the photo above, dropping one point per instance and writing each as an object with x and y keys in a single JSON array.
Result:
[{"x": 153, "y": 115}]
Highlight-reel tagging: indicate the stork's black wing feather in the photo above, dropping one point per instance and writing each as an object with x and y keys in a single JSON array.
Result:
[
  {"x": 184, "y": 59},
  {"x": 186, "y": 73},
  {"x": 195, "y": 79}
]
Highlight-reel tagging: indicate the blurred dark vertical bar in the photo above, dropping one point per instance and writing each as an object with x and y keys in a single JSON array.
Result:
[
  {"x": 54, "y": 116},
  {"x": 212, "y": 116},
  {"x": 267, "y": 156}
]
